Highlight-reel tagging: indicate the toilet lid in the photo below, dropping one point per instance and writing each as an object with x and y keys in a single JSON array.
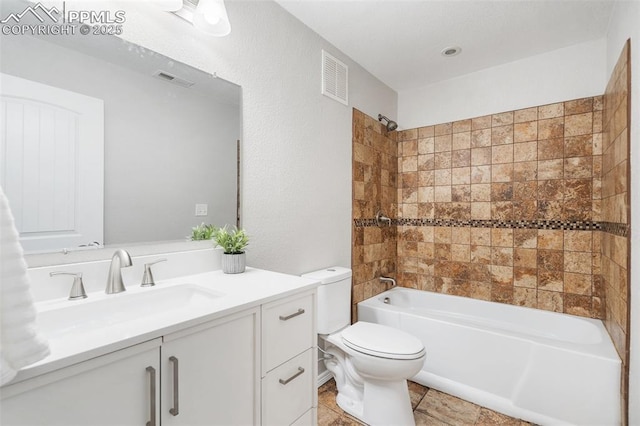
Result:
[{"x": 382, "y": 341}]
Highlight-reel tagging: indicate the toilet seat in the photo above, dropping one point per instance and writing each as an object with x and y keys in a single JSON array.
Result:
[{"x": 382, "y": 341}]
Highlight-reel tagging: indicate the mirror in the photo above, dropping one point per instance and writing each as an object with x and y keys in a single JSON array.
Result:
[{"x": 171, "y": 132}]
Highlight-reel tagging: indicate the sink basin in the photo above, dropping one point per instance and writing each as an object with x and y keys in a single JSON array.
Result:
[{"x": 107, "y": 318}]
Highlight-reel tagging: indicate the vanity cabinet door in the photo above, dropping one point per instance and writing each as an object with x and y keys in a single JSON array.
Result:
[
  {"x": 114, "y": 389},
  {"x": 211, "y": 373}
]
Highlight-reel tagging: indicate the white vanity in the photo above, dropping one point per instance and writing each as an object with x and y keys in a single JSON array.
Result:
[{"x": 209, "y": 348}]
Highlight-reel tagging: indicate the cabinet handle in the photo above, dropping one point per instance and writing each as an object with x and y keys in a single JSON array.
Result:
[
  {"x": 295, "y": 314},
  {"x": 285, "y": 381},
  {"x": 152, "y": 395},
  {"x": 176, "y": 398}
]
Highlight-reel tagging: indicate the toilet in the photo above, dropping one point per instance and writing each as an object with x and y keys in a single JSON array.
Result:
[{"x": 370, "y": 362}]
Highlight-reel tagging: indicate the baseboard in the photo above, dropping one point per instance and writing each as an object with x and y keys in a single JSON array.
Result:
[{"x": 324, "y": 377}]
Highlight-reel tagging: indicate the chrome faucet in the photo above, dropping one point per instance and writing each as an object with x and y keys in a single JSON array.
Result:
[
  {"x": 388, "y": 280},
  {"x": 120, "y": 259}
]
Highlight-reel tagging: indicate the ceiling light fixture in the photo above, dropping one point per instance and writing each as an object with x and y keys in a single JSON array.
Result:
[
  {"x": 451, "y": 51},
  {"x": 209, "y": 16}
]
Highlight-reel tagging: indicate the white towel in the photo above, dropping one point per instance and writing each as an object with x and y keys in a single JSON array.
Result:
[{"x": 20, "y": 343}]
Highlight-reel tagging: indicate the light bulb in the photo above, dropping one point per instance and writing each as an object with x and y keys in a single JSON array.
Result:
[{"x": 211, "y": 17}]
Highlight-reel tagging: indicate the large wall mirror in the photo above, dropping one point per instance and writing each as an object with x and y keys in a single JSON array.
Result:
[{"x": 170, "y": 139}]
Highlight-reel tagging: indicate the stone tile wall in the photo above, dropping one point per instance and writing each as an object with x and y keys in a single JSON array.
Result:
[
  {"x": 375, "y": 173},
  {"x": 615, "y": 210},
  {"x": 504, "y": 207}
]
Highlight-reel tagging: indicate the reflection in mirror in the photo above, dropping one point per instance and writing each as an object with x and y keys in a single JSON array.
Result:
[{"x": 170, "y": 134}]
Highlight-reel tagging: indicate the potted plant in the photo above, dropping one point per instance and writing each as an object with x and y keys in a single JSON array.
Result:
[
  {"x": 233, "y": 243},
  {"x": 202, "y": 232}
]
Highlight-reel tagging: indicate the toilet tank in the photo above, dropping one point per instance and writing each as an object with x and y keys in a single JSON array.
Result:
[{"x": 334, "y": 298}]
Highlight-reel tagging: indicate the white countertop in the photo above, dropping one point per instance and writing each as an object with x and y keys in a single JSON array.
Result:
[{"x": 236, "y": 292}]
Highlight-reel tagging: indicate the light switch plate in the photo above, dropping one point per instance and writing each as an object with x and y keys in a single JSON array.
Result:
[{"x": 201, "y": 209}]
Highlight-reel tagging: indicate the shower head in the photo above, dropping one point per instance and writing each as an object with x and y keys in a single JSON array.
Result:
[{"x": 391, "y": 125}]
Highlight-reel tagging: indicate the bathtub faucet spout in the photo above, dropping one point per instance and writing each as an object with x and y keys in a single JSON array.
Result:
[{"x": 388, "y": 280}]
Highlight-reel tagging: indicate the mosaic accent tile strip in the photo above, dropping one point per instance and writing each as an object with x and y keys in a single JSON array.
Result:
[
  {"x": 619, "y": 229},
  {"x": 364, "y": 223}
]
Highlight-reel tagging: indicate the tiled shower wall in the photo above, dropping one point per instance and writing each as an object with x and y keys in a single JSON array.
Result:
[
  {"x": 504, "y": 207},
  {"x": 615, "y": 210},
  {"x": 375, "y": 174}
]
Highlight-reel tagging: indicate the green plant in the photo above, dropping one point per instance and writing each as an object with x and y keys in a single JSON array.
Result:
[
  {"x": 202, "y": 232},
  {"x": 232, "y": 241}
]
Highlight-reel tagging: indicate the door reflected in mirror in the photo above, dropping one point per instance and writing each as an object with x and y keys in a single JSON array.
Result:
[{"x": 171, "y": 135}]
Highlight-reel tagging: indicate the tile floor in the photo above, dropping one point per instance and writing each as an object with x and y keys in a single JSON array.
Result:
[{"x": 430, "y": 408}]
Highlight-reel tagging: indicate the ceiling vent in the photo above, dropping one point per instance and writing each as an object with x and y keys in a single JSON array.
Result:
[
  {"x": 163, "y": 75},
  {"x": 335, "y": 76}
]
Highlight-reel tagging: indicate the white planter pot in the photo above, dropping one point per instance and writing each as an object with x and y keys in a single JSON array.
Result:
[{"x": 233, "y": 263}]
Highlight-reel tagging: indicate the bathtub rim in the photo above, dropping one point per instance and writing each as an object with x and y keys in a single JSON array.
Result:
[{"x": 604, "y": 349}]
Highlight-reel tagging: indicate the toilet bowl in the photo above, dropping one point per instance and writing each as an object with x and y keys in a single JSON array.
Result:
[
  {"x": 381, "y": 352},
  {"x": 370, "y": 362}
]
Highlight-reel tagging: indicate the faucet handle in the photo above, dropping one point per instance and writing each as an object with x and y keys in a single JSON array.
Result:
[
  {"x": 380, "y": 217},
  {"x": 147, "y": 277},
  {"x": 77, "y": 289}
]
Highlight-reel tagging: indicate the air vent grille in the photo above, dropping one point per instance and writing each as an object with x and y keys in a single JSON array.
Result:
[
  {"x": 335, "y": 79},
  {"x": 163, "y": 75}
]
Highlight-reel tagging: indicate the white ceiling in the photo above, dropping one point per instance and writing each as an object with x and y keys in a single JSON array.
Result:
[{"x": 399, "y": 41}]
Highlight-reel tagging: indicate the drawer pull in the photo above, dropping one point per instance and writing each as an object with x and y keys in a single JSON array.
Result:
[
  {"x": 300, "y": 371},
  {"x": 176, "y": 398},
  {"x": 152, "y": 396},
  {"x": 295, "y": 314}
]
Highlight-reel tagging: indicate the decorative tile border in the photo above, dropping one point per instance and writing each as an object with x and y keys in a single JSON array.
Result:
[
  {"x": 365, "y": 223},
  {"x": 620, "y": 229}
]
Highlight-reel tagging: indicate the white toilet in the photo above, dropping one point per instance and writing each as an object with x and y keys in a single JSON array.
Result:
[{"x": 370, "y": 362}]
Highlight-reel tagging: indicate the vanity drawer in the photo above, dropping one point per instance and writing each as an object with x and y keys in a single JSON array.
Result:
[
  {"x": 287, "y": 391},
  {"x": 287, "y": 329}
]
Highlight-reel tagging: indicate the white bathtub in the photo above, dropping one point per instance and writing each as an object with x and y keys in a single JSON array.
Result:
[{"x": 540, "y": 366}]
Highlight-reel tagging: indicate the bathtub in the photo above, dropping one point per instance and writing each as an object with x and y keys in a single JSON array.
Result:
[{"x": 543, "y": 367}]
